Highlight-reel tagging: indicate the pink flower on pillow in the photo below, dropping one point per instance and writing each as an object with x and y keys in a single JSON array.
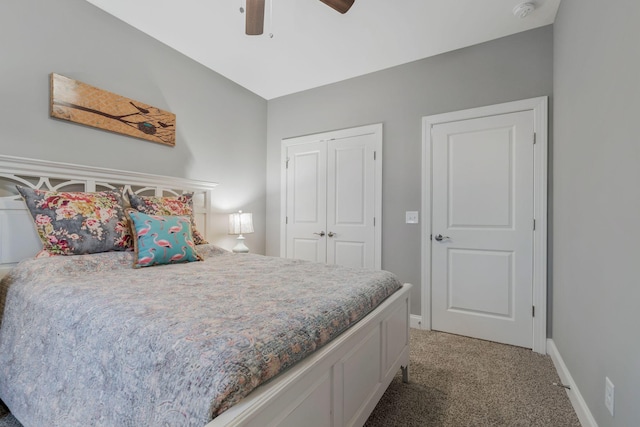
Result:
[
  {"x": 43, "y": 219},
  {"x": 105, "y": 213},
  {"x": 65, "y": 212},
  {"x": 121, "y": 227},
  {"x": 175, "y": 206},
  {"x": 92, "y": 224}
]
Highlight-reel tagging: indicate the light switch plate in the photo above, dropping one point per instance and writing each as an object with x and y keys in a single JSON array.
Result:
[
  {"x": 412, "y": 217},
  {"x": 608, "y": 395}
]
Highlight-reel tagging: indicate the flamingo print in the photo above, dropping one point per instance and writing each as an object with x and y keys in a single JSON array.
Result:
[
  {"x": 163, "y": 243},
  {"x": 189, "y": 241},
  {"x": 175, "y": 229},
  {"x": 178, "y": 257},
  {"x": 159, "y": 218},
  {"x": 143, "y": 231},
  {"x": 144, "y": 261}
]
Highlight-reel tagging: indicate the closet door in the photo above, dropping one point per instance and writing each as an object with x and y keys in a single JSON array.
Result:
[
  {"x": 332, "y": 197},
  {"x": 351, "y": 201},
  {"x": 306, "y": 217}
]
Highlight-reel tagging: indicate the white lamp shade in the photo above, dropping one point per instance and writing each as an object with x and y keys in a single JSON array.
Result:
[{"x": 240, "y": 223}]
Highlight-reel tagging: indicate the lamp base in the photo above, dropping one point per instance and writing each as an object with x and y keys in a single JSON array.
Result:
[{"x": 240, "y": 247}]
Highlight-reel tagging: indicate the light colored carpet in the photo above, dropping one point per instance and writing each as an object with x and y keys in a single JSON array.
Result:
[
  {"x": 457, "y": 381},
  {"x": 463, "y": 382}
]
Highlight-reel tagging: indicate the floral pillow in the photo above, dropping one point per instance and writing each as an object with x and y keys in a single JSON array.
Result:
[
  {"x": 161, "y": 239},
  {"x": 175, "y": 206},
  {"x": 75, "y": 223}
]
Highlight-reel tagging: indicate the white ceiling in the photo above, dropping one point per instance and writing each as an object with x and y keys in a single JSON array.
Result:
[{"x": 312, "y": 44}]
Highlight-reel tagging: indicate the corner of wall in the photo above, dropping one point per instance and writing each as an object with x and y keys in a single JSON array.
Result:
[{"x": 577, "y": 401}]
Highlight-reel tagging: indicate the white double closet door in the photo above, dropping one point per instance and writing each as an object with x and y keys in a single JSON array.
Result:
[{"x": 332, "y": 197}]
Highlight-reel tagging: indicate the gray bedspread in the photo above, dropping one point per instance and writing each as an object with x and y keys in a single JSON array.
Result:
[{"x": 89, "y": 341}]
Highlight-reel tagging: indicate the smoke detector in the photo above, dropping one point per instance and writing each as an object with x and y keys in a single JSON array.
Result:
[{"x": 523, "y": 9}]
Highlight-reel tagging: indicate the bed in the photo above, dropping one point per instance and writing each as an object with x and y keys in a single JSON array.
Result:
[{"x": 231, "y": 339}]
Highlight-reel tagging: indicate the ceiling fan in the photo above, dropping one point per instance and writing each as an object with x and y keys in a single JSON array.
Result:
[{"x": 255, "y": 13}]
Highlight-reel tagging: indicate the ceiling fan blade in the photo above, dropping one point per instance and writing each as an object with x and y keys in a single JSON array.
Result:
[
  {"x": 341, "y": 6},
  {"x": 254, "y": 25}
]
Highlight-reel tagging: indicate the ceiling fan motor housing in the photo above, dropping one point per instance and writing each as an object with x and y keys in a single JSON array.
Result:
[{"x": 254, "y": 23}]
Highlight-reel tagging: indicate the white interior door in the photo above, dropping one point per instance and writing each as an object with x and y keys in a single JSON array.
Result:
[
  {"x": 482, "y": 227},
  {"x": 306, "y": 215},
  {"x": 333, "y": 197},
  {"x": 351, "y": 202}
]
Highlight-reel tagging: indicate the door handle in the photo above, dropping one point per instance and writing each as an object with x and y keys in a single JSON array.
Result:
[
  {"x": 321, "y": 234},
  {"x": 331, "y": 234},
  {"x": 440, "y": 237}
]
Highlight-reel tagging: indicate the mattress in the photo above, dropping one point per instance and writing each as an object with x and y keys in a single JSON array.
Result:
[{"x": 88, "y": 340}]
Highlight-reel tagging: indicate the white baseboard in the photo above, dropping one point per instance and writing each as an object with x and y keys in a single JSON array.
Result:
[
  {"x": 579, "y": 405},
  {"x": 415, "y": 321}
]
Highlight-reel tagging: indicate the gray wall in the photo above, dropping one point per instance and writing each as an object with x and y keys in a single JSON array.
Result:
[
  {"x": 507, "y": 69},
  {"x": 596, "y": 233},
  {"x": 596, "y": 155},
  {"x": 221, "y": 126}
]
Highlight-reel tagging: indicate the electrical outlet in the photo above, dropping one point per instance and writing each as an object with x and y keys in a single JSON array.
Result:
[
  {"x": 411, "y": 217},
  {"x": 608, "y": 395}
]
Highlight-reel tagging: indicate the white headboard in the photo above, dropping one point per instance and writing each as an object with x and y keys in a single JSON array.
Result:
[{"x": 18, "y": 237}]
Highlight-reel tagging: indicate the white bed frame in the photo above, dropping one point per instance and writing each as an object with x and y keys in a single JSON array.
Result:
[{"x": 337, "y": 386}]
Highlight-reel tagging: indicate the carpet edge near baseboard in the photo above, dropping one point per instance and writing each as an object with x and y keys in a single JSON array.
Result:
[{"x": 575, "y": 397}]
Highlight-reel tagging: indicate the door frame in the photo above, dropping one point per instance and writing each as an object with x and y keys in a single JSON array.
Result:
[
  {"x": 373, "y": 129},
  {"x": 539, "y": 106}
]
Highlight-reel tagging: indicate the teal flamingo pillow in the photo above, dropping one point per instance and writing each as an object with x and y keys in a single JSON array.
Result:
[
  {"x": 161, "y": 239},
  {"x": 181, "y": 205}
]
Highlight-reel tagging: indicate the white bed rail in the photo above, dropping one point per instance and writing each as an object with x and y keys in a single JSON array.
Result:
[{"x": 341, "y": 383}]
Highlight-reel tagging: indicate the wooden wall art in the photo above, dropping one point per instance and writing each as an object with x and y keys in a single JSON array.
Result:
[{"x": 81, "y": 103}]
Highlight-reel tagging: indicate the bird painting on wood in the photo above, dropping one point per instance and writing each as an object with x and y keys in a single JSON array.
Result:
[{"x": 81, "y": 103}]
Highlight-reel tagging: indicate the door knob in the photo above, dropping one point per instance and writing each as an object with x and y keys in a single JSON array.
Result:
[
  {"x": 331, "y": 234},
  {"x": 440, "y": 237},
  {"x": 321, "y": 234}
]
